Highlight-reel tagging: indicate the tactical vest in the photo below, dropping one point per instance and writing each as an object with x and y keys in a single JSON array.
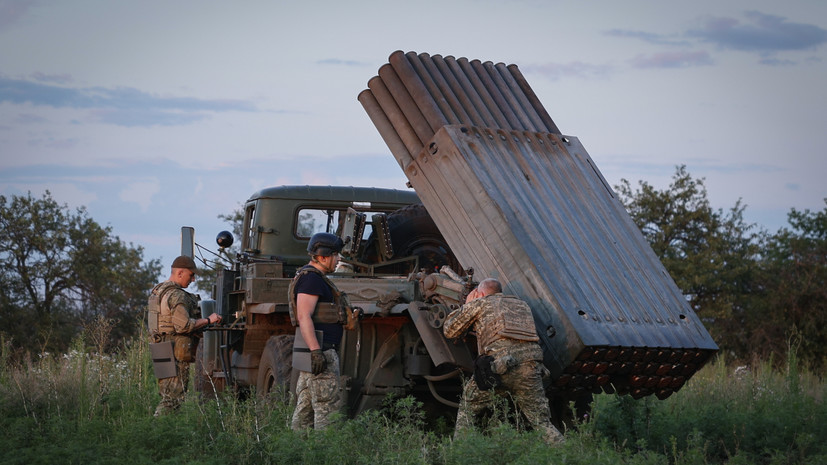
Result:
[
  {"x": 325, "y": 312},
  {"x": 511, "y": 319},
  {"x": 159, "y": 314},
  {"x": 154, "y": 308}
]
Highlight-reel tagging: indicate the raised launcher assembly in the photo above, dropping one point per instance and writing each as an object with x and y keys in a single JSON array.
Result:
[{"x": 517, "y": 200}]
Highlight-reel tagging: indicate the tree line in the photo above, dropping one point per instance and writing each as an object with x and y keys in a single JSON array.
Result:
[
  {"x": 60, "y": 271},
  {"x": 758, "y": 293}
]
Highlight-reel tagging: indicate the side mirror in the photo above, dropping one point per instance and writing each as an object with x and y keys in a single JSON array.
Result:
[{"x": 188, "y": 241}]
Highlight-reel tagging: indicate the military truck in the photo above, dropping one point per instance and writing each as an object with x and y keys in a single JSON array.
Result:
[
  {"x": 498, "y": 191},
  {"x": 395, "y": 266}
]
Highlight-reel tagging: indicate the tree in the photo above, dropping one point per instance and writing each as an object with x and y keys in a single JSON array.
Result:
[
  {"x": 59, "y": 270},
  {"x": 794, "y": 290},
  {"x": 709, "y": 253}
]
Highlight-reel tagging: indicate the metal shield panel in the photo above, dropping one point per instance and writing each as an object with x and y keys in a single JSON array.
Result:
[{"x": 163, "y": 360}]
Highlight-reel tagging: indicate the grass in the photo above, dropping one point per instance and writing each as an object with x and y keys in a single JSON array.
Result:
[
  {"x": 86, "y": 408},
  {"x": 752, "y": 416}
]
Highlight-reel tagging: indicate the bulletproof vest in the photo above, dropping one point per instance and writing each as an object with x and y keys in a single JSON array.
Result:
[
  {"x": 325, "y": 312},
  {"x": 506, "y": 317},
  {"x": 154, "y": 306},
  {"x": 159, "y": 318}
]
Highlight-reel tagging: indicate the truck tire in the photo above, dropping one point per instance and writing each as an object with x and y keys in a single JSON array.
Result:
[
  {"x": 275, "y": 368},
  {"x": 413, "y": 232}
]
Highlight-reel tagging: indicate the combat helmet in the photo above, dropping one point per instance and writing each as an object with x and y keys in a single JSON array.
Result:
[{"x": 324, "y": 244}]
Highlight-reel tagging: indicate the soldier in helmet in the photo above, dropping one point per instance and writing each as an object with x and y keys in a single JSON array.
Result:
[
  {"x": 510, "y": 359},
  {"x": 315, "y": 302},
  {"x": 176, "y": 320}
]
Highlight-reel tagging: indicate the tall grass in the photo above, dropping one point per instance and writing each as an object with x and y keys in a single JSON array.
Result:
[
  {"x": 86, "y": 407},
  {"x": 745, "y": 415}
]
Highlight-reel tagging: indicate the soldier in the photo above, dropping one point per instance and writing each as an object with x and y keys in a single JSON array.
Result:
[
  {"x": 171, "y": 318},
  {"x": 317, "y": 305},
  {"x": 509, "y": 357}
]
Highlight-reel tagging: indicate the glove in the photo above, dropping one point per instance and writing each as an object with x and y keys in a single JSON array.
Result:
[{"x": 317, "y": 361}]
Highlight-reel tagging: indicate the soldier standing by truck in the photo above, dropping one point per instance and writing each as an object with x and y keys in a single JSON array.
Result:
[
  {"x": 510, "y": 359},
  {"x": 171, "y": 319},
  {"x": 316, "y": 305}
]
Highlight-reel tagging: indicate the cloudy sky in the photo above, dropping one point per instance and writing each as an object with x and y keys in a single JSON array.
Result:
[{"x": 158, "y": 114}]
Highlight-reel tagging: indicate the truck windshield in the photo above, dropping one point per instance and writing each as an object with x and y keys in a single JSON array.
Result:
[{"x": 313, "y": 220}]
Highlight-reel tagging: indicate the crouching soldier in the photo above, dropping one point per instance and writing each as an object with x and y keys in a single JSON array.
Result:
[{"x": 510, "y": 358}]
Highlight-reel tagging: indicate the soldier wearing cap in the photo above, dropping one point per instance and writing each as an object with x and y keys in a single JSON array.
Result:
[
  {"x": 316, "y": 307},
  {"x": 510, "y": 358},
  {"x": 177, "y": 321}
]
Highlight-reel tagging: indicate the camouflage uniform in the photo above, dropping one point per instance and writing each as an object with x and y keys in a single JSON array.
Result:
[
  {"x": 505, "y": 330},
  {"x": 175, "y": 324},
  {"x": 318, "y": 396}
]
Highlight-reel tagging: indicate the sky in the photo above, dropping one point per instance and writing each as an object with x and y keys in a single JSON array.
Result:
[{"x": 154, "y": 115}]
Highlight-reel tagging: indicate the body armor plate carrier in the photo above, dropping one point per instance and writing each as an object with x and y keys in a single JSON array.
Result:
[{"x": 339, "y": 311}]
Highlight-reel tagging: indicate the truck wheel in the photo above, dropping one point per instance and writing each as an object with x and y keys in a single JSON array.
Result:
[
  {"x": 275, "y": 367},
  {"x": 413, "y": 232}
]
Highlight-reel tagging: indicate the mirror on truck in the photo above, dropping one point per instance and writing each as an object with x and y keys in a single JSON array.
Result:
[
  {"x": 352, "y": 231},
  {"x": 188, "y": 241}
]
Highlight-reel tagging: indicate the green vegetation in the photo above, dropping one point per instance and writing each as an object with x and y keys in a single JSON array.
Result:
[
  {"x": 61, "y": 271},
  {"x": 87, "y": 408},
  {"x": 753, "y": 290}
]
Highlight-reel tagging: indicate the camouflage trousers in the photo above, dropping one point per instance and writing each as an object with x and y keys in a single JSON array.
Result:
[
  {"x": 173, "y": 390},
  {"x": 524, "y": 384},
  {"x": 318, "y": 397}
]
